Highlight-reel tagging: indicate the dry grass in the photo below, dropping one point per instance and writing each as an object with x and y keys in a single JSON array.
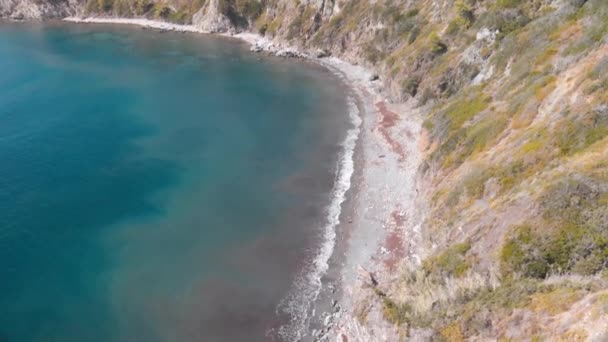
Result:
[{"x": 422, "y": 293}]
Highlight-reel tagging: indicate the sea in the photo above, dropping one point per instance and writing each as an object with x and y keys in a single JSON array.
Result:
[{"x": 164, "y": 186}]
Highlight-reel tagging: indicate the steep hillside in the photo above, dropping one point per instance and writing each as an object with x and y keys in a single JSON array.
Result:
[{"x": 514, "y": 94}]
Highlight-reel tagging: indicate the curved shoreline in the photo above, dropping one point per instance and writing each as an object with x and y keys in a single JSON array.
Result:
[{"x": 305, "y": 303}]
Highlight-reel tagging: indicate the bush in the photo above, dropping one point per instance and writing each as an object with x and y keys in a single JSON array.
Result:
[
  {"x": 520, "y": 254},
  {"x": 465, "y": 13},
  {"x": 508, "y": 3},
  {"x": 162, "y": 11},
  {"x": 503, "y": 21},
  {"x": 575, "y": 239},
  {"x": 413, "y": 35},
  {"x": 410, "y": 86},
  {"x": 438, "y": 47},
  {"x": 143, "y": 6},
  {"x": 461, "y": 111},
  {"x": 405, "y": 25},
  {"x": 449, "y": 263},
  {"x": 180, "y": 17},
  {"x": 105, "y": 5},
  {"x": 250, "y": 9},
  {"x": 574, "y": 136},
  {"x": 412, "y": 13},
  {"x": 91, "y": 6},
  {"x": 395, "y": 313},
  {"x": 372, "y": 54},
  {"x": 122, "y": 8}
]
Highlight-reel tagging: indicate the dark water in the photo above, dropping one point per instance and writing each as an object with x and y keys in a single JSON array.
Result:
[{"x": 156, "y": 187}]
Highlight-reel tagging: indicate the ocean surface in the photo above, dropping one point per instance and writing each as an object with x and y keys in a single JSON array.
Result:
[{"x": 160, "y": 186}]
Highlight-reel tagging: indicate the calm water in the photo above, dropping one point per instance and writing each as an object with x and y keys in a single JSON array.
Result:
[{"x": 156, "y": 187}]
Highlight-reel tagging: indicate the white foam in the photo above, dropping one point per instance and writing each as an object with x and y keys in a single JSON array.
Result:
[{"x": 308, "y": 285}]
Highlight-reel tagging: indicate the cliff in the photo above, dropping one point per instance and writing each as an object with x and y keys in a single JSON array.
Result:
[{"x": 514, "y": 174}]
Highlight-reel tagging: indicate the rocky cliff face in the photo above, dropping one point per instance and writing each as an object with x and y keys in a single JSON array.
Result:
[
  {"x": 31, "y": 9},
  {"x": 515, "y": 174},
  {"x": 209, "y": 18}
]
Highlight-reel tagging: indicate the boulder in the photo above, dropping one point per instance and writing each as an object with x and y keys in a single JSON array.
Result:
[{"x": 322, "y": 53}]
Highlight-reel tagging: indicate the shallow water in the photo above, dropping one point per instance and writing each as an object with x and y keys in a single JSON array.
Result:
[{"x": 157, "y": 187}]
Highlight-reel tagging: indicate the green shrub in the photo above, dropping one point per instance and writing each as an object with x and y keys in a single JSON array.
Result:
[
  {"x": 250, "y": 9},
  {"x": 405, "y": 25},
  {"x": 226, "y": 7},
  {"x": 453, "y": 27},
  {"x": 162, "y": 10},
  {"x": 372, "y": 54},
  {"x": 412, "y": 13},
  {"x": 143, "y": 6},
  {"x": 449, "y": 263},
  {"x": 180, "y": 17},
  {"x": 410, "y": 86},
  {"x": 465, "y": 13},
  {"x": 508, "y": 3},
  {"x": 122, "y": 8},
  {"x": 461, "y": 111},
  {"x": 575, "y": 238},
  {"x": 600, "y": 69},
  {"x": 574, "y": 136},
  {"x": 397, "y": 314},
  {"x": 438, "y": 47},
  {"x": 477, "y": 137},
  {"x": 91, "y": 6},
  {"x": 504, "y": 22},
  {"x": 524, "y": 254},
  {"x": 413, "y": 35},
  {"x": 105, "y": 5}
]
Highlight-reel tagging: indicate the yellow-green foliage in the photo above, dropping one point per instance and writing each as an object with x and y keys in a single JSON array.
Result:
[
  {"x": 576, "y": 135},
  {"x": 546, "y": 56},
  {"x": 556, "y": 301},
  {"x": 459, "y": 112},
  {"x": 122, "y": 8},
  {"x": 575, "y": 238},
  {"x": 250, "y": 9},
  {"x": 544, "y": 87},
  {"x": 437, "y": 45},
  {"x": 162, "y": 10},
  {"x": 479, "y": 135},
  {"x": 450, "y": 262},
  {"x": 395, "y": 313},
  {"x": 463, "y": 141},
  {"x": 372, "y": 54},
  {"x": 274, "y": 25},
  {"x": 458, "y": 309},
  {"x": 594, "y": 16},
  {"x": 508, "y": 3},
  {"x": 143, "y": 6},
  {"x": 452, "y": 333},
  {"x": 105, "y": 5}
]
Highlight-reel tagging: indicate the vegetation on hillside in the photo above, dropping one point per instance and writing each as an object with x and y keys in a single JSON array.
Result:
[{"x": 515, "y": 96}]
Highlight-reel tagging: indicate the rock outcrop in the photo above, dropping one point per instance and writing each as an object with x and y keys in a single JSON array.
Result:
[
  {"x": 210, "y": 18},
  {"x": 32, "y": 9}
]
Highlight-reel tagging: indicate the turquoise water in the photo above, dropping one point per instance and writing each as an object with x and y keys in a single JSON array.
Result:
[{"x": 156, "y": 187}]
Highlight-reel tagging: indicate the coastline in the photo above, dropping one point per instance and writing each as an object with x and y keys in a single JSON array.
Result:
[{"x": 373, "y": 196}]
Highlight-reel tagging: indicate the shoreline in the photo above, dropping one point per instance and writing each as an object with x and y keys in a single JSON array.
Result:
[{"x": 354, "y": 236}]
